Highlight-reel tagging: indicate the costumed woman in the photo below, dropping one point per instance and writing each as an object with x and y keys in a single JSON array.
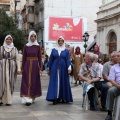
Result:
[
  {"x": 59, "y": 89},
  {"x": 97, "y": 51},
  {"x": 31, "y": 70},
  {"x": 9, "y": 67},
  {"x": 77, "y": 61}
]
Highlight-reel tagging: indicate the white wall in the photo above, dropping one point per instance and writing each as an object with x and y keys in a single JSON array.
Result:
[
  {"x": 72, "y": 8},
  {"x": 75, "y": 8},
  {"x": 50, "y": 44}
]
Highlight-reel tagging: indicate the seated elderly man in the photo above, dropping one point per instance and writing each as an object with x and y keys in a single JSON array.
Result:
[
  {"x": 95, "y": 74},
  {"x": 101, "y": 86},
  {"x": 114, "y": 91},
  {"x": 107, "y": 66}
]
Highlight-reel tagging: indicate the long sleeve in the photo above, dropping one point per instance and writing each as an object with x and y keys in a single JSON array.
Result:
[
  {"x": 40, "y": 58},
  {"x": 82, "y": 59},
  {"x": 50, "y": 60},
  {"x": 23, "y": 58},
  {"x": 68, "y": 60},
  {"x": 17, "y": 60}
]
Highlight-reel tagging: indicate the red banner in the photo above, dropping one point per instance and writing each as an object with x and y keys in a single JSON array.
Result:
[{"x": 69, "y": 28}]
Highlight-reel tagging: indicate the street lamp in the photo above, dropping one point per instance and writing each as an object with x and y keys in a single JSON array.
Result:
[{"x": 85, "y": 38}]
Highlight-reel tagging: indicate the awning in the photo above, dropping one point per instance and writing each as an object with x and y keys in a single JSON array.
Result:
[{"x": 90, "y": 48}]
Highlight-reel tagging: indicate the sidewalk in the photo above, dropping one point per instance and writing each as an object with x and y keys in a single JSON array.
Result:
[{"x": 43, "y": 110}]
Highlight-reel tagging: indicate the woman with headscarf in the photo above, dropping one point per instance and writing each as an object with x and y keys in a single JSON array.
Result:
[
  {"x": 59, "y": 69},
  {"x": 97, "y": 52},
  {"x": 77, "y": 61},
  {"x": 9, "y": 66},
  {"x": 31, "y": 70}
]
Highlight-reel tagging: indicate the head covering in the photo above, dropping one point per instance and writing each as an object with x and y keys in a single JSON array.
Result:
[
  {"x": 77, "y": 52},
  {"x": 5, "y": 44},
  {"x": 58, "y": 47},
  {"x": 98, "y": 51},
  {"x": 30, "y": 43}
]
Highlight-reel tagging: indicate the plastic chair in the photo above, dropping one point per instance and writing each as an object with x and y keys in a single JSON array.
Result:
[
  {"x": 85, "y": 99},
  {"x": 116, "y": 109}
]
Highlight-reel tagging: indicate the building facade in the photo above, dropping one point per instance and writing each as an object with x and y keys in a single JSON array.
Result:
[
  {"x": 108, "y": 26},
  {"x": 42, "y": 10},
  {"x": 8, "y": 5},
  {"x": 22, "y": 3},
  {"x": 28, "y": 17},
  {"x": 19, "y": 6}
]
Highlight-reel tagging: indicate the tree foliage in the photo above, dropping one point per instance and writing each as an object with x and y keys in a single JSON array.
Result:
[{"x": 8, "y": 26}]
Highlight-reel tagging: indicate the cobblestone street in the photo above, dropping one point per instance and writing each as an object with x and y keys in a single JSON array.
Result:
[{"x": 43, "y": 110}]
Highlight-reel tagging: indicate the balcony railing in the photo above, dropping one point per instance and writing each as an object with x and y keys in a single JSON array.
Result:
[
  {"x": 31, "y": 27},
  {"x": 26, "y": 32},
  {"x": 30, "y": 18},
  {"x": 5, "y": 1},
  {"x": 41, "y": 6},
  {"x": 39, "y": 26},
  {"x": 36, "y": 27},
  {"x": 36, "y": 0},
  {"x": 37, "y": 10}
]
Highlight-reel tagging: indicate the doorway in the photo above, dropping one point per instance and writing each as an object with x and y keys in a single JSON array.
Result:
[{"x": 112, "y": 42}]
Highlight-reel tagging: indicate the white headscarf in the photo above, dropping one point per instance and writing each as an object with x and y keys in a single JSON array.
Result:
[
  {"x": 30, "y": 43},
  {"x": 58, "y": 47},
  {"x": 6, "y": 45}
]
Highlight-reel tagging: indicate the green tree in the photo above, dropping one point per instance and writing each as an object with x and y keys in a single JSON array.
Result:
[{"x": 8, "y": 26}]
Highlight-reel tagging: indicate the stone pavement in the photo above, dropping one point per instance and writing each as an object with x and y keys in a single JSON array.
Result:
[{"x": 43, "y": 110}]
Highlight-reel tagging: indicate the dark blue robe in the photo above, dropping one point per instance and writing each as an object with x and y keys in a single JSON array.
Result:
[{"x": 59, "y": 88}]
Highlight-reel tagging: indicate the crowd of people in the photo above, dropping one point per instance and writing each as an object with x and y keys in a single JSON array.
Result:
[{"x": 99, "y": 74}]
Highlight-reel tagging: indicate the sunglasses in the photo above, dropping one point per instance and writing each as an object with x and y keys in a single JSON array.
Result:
[{"x": 33, "y": 36}]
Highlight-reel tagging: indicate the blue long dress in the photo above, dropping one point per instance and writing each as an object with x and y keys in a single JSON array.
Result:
[{"x": 59, "y": 86}]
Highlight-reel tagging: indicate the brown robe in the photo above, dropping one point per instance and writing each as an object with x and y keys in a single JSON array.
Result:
[{"x": 78, "y": 60}]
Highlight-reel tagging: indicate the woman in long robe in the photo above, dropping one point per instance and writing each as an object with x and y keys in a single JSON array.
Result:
[
  {"x": 77, "y": 61},
  {"x": 9, "y": 66},
  {"x": 31, "y": 70},
  {"x": 59, "y": 68}
]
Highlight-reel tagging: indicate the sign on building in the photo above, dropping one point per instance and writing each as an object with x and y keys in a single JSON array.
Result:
[{"x": 69, "y": 28}]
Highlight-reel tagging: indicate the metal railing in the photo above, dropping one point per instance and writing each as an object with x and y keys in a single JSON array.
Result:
[
  {"x": 41, "y": 6},
  {"x": 39, "y": 26}
]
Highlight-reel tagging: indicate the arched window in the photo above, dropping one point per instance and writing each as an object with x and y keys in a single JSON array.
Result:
[{"x": 112, "y": 42}]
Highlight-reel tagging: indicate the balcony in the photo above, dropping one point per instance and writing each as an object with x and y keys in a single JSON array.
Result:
[
  {"x": 37, "y": 10},
  {"x": 36, "y": 1},
  {"x": 41, "y": 6},
  {"x": 5, "y": 2},
  {"x": 41, "y": 25},
  {"x": 25, "y": 19},
  {"x": 36, "y": 27},
  {"x": 30, "y": 17},
  {"x": 26, "y": 32},
  {"x": 31, "y": 26},
  {"x": 30, "y": 3}
]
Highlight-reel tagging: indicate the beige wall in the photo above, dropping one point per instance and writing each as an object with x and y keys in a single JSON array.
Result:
[
  {"x": 22, "y": 3},
  {"x": 108, "y": 20},
  {"x": 5, "y": 1}
]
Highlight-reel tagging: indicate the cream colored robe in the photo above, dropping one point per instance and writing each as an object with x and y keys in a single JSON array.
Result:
[
  {"x": 78, "y": 60},
  {"x": 9, "y": 65}
]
